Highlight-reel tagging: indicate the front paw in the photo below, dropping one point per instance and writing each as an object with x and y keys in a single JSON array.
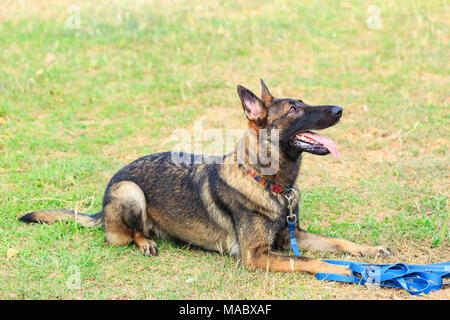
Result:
[
  {"x": 376, "y": 251},
  {"x": 335, "y": 269},
  {"x": 325, "y": 267}
]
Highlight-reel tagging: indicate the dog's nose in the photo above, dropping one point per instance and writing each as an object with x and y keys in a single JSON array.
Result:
[{"x": 336, "y": 112}]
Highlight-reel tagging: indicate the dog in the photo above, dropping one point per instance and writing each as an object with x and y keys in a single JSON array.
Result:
[{"x": 235, "y": 203}]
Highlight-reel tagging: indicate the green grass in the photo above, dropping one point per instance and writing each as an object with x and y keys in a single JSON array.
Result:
[{"x": 136, "y": 71}]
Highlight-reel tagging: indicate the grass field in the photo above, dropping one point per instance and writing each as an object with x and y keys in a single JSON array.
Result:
[{"x": 88, "y": 86}]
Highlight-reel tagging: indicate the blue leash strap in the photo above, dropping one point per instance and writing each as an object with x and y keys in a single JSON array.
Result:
[
  {"x": 293, "y": 238},
  {"x": 415, "y": 279},
  {"x": 291, "y": 220}
]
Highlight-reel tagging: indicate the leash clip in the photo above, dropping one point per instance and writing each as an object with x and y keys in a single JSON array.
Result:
[{"x": 291, "y": 217}]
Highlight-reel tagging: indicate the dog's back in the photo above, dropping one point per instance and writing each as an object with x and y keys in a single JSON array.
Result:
[{"x": 182, "y": 199}]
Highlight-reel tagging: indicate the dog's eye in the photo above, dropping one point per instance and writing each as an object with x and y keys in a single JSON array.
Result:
[{"x": 292, "y": 109}]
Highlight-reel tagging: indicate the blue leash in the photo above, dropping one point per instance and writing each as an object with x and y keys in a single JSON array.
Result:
[
  {"x": 415, "y": 279},
  {"x": 293, "y": 237}
]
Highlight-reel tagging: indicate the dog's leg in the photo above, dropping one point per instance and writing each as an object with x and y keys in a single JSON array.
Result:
[
  {"x": 116, "y": 232},
  {"x": 261, "y": 257},
  {"x": 311, "y": 241},
  {"x": 125, "y": 217}
]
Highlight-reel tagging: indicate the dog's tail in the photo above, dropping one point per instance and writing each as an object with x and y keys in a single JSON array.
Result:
[{"x": 55, "y": 215}]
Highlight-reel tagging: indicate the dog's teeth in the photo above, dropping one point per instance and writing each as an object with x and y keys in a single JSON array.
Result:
[{"x": 305, "y": 139}]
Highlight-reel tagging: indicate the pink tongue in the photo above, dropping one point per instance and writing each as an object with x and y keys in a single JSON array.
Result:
[{"x": 329, "y": 144}]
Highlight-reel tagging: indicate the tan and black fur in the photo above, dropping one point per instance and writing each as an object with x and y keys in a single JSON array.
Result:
[{"x": 219, "y": 206}]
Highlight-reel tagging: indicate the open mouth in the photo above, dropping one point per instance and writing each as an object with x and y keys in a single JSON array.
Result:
[{"x": 314, "y": 143}]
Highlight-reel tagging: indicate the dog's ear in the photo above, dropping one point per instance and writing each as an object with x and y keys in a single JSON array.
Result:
[
  {"x": 266, "y": 96},
  {"x": 253, "y": 106}
]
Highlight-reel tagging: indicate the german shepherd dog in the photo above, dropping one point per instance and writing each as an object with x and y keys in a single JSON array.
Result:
[{"x": 225, "y": 204}]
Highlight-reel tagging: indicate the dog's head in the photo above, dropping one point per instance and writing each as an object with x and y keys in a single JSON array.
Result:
[{"x": 293, "y": 118}]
